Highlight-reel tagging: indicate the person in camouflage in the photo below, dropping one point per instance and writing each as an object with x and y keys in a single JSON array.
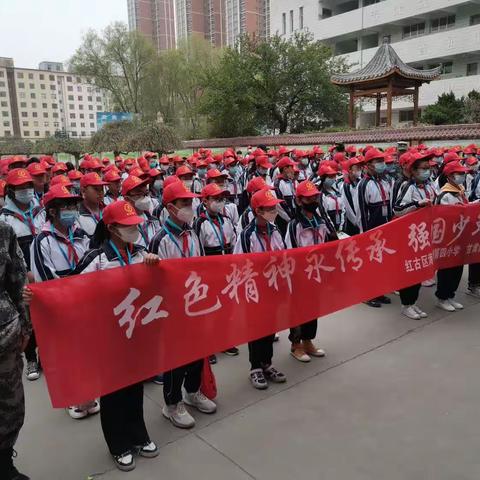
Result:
[{"x": 15, "y": 329}]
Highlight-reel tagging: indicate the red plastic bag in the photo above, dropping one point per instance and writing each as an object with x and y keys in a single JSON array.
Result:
[{"x": 209, "y": 384}]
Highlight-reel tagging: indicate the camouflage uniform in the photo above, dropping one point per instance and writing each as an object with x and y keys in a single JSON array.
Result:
[{"x": 14, "y": 325}]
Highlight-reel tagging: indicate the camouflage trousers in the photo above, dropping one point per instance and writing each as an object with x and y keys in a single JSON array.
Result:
[{"x": 12, "y": 401}]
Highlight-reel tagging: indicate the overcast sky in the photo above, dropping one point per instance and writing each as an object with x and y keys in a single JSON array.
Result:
[{"x": 32, "y": 31}]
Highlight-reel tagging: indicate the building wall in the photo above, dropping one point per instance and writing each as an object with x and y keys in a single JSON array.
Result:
[{"x": 46, "y": 101}]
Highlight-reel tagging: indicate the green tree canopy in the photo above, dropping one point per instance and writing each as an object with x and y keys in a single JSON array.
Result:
[
  {"x": 472, "y": 107},
  {"x": 274, "y": 86},
  {"x": 447, "y": 110},
  {"x": 15, "y": 146}
]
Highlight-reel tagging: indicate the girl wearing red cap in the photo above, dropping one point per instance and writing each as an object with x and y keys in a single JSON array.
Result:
[
  {"x": 285, "y": 190},
  {"x": 417, "y": 193},
  {"x": 330, "y": 198},
  {"x": 91, "y": 187},
  {"x": 349, "y": 195},
  {"x": 452, "y": 193},
  {"x": 176, "y": 239},
  {"x": 121, "y": 412},
  {"x": 261, "y": 235},
  {"x": 112, "y": 193}
]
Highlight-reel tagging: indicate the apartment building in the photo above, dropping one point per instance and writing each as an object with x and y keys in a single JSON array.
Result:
[
  {"x": 424, "y": 33},
  {"x": 36, "y": 103}
]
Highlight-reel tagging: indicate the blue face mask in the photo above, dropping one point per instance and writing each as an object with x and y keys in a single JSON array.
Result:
[
  {"x": 24, "y": 196},
  {"x": 153, "y": 164},
  {"x": 380, "y": 167},
  {"x": 234, "y": 171},
  {"x": 68, "y": 217},
  {"x": 328, "y": 182},
  {"x": 423, "y": 175},
  {"x": 202, "y": 172}
]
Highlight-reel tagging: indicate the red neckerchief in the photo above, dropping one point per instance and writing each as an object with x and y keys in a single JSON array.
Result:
[
  {"x": 27, "y": 220},
  {"x": 266, "y": 237}
]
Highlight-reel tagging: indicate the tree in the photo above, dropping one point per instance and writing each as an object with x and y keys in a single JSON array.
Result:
[
  {"x": 47, "y": 146},
  {"x": 118, "y": 61},
  {"x": 15, "y": 146},
  {"x": 112, "y": 137},
  {"x": 154, "y": 137},
  {"x": 274, "y": 86},
  {"x": 472, "y": 107},
  {"x": 446, "y": 111}
]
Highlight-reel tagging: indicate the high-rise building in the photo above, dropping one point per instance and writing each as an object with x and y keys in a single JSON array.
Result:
[
  {"x": 36, "y": 103},
  {"x": 424, "y": 33},
  {"x": 250, "y": 17}
]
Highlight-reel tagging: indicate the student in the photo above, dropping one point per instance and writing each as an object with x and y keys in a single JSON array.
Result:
[
  {"x": 215, "y": 231},
  {"x": 417, "y": 193},
  {"x": 261, "y": 235},
  {"x": 21, "y": 213},
  {"x": 114, "y": 184},
  {"x": 74, "y": 176},
  {"x": 91, "y": 187},
  {"x": 39, "y": 177},
  {"x": 306, "y": 229},
  {"x": 176, "y": 239},
  {"x": 200, "y": 178},
  {"x": 230, "y": 210},
  {"x": 254, "y": 185},
  {"x": 374, "y": 208},
  {"x": 452, "y": 193},
  {"x": 285, "y": 190},
  {"x": 330, "y": 197},
  {"x": 121, "y": 413},
  {"x": 235, "y": 180},
  {"x": 349, "y": 195}
]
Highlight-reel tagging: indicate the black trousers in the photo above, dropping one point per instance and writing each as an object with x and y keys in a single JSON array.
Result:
[
  {"x": 121, "y": 416},
  {"x": 350, "y": 228},
  {"x": 448, "y": 280},
  {"x": 474, "y": 275},
  {"x": 261, "y": 352},
  {"x": 306, "y": 331},
  {"x": 190, "y": 376},
  {"x": 31, "y": 350},
  {"x": 409, "y": 295}
]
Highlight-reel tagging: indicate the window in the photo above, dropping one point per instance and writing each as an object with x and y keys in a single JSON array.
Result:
[
  {"x": 2, "y": 84},
  {"x": 34, "y": 105},
  {"x": 69, "y": 79},
  {"x": 6, "y": 124},
  {"x": 90, "y": 99},
  {"x": 472, "y": 69},
  {"x": 414, "y": 30},
  {"x": 46, "y": 124},
  {"x": 99, "y": 108},
  {"x": 44, "y": 105},
  {"x": 72, "y": 115},
  {"x": 406, "y": 115},
  {"x": 84, "y": 134},
  {"x": 35, "y": 123},
  {"x": 300, "y": 18},
  {"x": 90, "y": 107},
  {"x": 82, "y": 115},
  {"x": 43, "y": 96},
  {"x": 475, "y": 19},
  {"x": 3, "y": 104},
  {"x": 82, "y": 124},
  {"x": 70, "y": 97},
  {"x": 78, "y": 80},
  {"x": 92, "y": 125},
  {"x": 291, "y": 21},
  {"x": 21, "y": 94},
  {"x": 1, "y": 74},
  {"x": 32, "y": 96},
  {"x": 91, "y": 115},
  {"x": 73, "y": 124},
  {"x": 70, "y": 88},
  {"x": 99, "y": 99},
  {"x": 26, "y": 133},
  {"x": 5, "y": 114},
  {"x": 23, "y": 104},
  {"x": 21, "y": 85},
  {"x": 34, "y": 114},
  {"x": 52, "y": 87},
  {"x": 80, "y": 107},
  {"x": 447, "y": 67},
  {"x": 47, "y": 133},
  {"x": 80, "y": 98},
  {"x": 42, "y": 76},
  {"x": 323, "y": 12},
  {"x": 79, "y": 88},
  {"x": 31, "y": 86},
  {"x": 443, "y": 23},
  {"x": 8, "y": 133},
  {"x": 366, "y": 3},
  {"x": 56, "y": 124},
  {"x": 19, "y": 75},
  {"x": 55, "y": 115},
  {"x": 54, "y": 105},
  {"x": 74, "y": 134},
  {"x": 51, "y": 78},
  {"x": 53, "y": 96},
  {"x": 42, "y": 86},
  {"x": 24, "y": 124},
  {"x": 45, "y": 114},
  {"x": 24, "y": 114},
  {"x": 37, "y": 133},
  {"x": 4, "y": 94}
]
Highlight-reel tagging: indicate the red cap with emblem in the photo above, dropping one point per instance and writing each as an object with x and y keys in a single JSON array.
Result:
[
  {"x": 132, "y": 182},
  {"x": 262, "y": 161},
  {"x": 61, "y": 180},
  {"x": 183, "y": 170},
  {"x": 111, "y": 176},
  {"x": 58, "y": 191},
  {"x": 257, "y": 183},
  {"x": 18, "y": 176},
  {"x": 264, "y": 198},
  {"x": 121, "y": 212},
  {"x": 215, "y": 173},
  {"x": 213, "y": 190},
  {"x": 74, "y": 175},
  {"x": 307, "y": 189},
  {"x": 454, "y": 167},
  {"x": 373, "y": 154},
  {"x": 36, "y": 168},
  {"x": 286, "y": 162},
  {"x": 175, "y": 191},
  {"x": 59, "y": 167},
  {"x": 91, "y": 179}
]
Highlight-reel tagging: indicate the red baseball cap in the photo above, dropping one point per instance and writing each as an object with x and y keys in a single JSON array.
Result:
[
  {"x": 451, "y": 157},
  {"x": 111, "y": 176},
  {"x": 262, "y": 161},
  {"x": 121, "y": 212},
  {"x": 284, "y": 150},
  {"x": 257, "y": 183},
  {"x": 454, "y": 167},
  {"x": 373, "y": 154},
  {"x": 215, "y": 173},
  {"x": 91, "y": 179},
  {"x": 229, "y": 160},
  {"x": 91, "y": 164},
  {"x": 49, "y": 159},
  {"x": 202, "y": 164},
  {"x": 286, "y": 162},
  {"x": 36, "y": 168},
  {"x": 326, "y": 169},
  {"x": 74, "y": 175},
  {"x": 213, "y": 190},
  {"x": 183, "y": 170},
  {"x": 3, "y": 183},
  {"x": 132, "y": 182},
  {"x": 106, "y": 161},
  {"x": 137, "y": 172},
  {"x": 61, "y": 180},
  {"x": 264, "y": 198},
  {"x": 154, "y": 172},
  {"x": 175, "y": 191},
  {"x": 170, "y": 180},
  {"x": 58, "y": 191},
  {"x": 59, "y": 167},
  {"x": 353, "y": 161},
  {"x": 307, "y": 189},
  {"x": 18, "y": 176}
]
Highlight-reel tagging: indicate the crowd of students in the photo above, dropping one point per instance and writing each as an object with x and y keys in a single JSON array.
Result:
[{"x": 113, "y": 214}]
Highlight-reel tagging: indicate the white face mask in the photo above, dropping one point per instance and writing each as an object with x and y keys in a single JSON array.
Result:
[
  {"x": 143, "y": 204},
  {"x": 24, "y": 196},
  {"x": 185, "y": 214},
  {"x": 459, "y": 178},
  {"x": 270, "y": 216},
  {"x": 158, "y": 185},
  {"x": 217, "y": 206},
  {"x": 128, "y": 234},
  {"x": 188, "y": 183},
  {"x": 164, "y": 167}
]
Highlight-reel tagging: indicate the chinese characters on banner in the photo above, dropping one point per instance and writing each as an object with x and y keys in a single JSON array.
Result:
[{"x": 140, "y": 320}]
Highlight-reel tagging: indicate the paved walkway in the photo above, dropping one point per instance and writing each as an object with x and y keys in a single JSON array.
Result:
[{"x": 394, "y": 399}]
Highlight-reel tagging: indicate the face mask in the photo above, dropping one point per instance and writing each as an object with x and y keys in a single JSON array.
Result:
[
  {"x": 459, "y": 179},
  {"x": 217, "y": 206},
  {"x": 142, "y": 203},
  {"x": 357, "y": 175},
  {"x": 2, "y": 201},
  {"x": 188, "y": 183},
  {"x": 423, "y": 175},
  {"x": 390, "y": 168},
  {"x": 68, "y": 217},
  {"x": 128, "y": 234},
  {"x": 234, "y": 171},
  {"x": 153, "y": 164},
  {"x": 24, "y": 196},
  {"x": 164, "y": 168},
  {"x": 328, "y": 182},
  {"x": 202, "y": 172},
  {"x": 310, "y": 207},
  {"x": 475, "y": 168},
  {"x": 158, "y": 185},
  {"x": 262, "y": 171},
  {"x": 185, "y": 214},
  {"x": 212, "y": 166},
  {"x": 438, "y": 160},
  {"x": 304, "y": 162},
  {"x": 270, "y": 216},
  {"x": 380, "y": 168}
]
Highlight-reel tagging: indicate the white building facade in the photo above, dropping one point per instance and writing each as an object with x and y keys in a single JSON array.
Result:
[
  {"x": 424, "y": 33},
  {"x": 37, "y": 103}
]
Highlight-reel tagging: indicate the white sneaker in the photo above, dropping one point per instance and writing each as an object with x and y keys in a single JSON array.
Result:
[
  {"x": 178, "y": 415},
  {"x": 148, "y": 450},
  {"x": 455, "y": 305},
  {"x": 420, "y": 311},
  {"x": 77, "y": 412},
  {"x": 93, "y": 407},
  {"x": 200, "y": 402},
  {"x": 429, "y": 283},
  {"x": 445, "y": 305},
  {"x": 473, "y": 291},
  {"x": 33, "y": 371},
  {"x": 410, "y": 312},
  {"x": 124, "y": 462}
]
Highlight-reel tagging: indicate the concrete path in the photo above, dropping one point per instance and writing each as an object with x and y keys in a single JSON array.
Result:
[{"x": 395, "y": 399}]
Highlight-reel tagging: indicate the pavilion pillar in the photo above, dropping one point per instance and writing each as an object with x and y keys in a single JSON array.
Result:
[
  {"x": 351, "y": 109},
  {"x": 415, "y": 105},
  {"x": 377, "y": 112},
  {"x": 389, "y": 103}
]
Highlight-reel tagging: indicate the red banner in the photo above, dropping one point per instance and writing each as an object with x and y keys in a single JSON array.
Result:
[{"x": 101, "y": 331}]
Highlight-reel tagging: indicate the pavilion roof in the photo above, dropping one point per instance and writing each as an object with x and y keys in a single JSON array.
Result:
[{"x": 385, "y": 63}]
